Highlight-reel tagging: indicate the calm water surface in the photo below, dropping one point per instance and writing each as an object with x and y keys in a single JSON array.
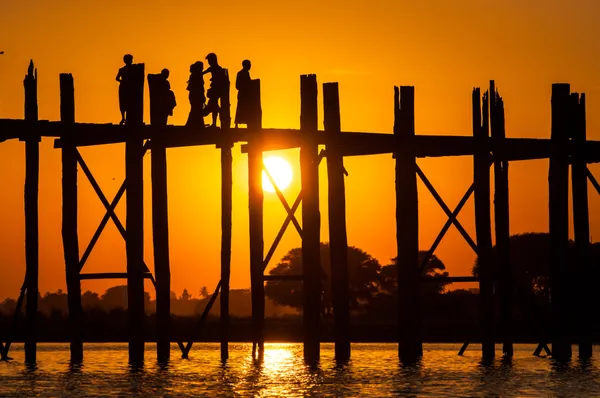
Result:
[{"x": 373, "y": 371}]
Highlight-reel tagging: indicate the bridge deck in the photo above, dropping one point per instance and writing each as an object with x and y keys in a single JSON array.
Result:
[{"x": 352, "y": 143}]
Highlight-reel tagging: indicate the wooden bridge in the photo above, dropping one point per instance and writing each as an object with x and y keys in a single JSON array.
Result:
[{"x": 566, "y": 147}]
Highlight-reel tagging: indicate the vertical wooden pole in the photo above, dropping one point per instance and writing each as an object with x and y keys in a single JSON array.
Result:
[
  {"x": 483, "y": 228},
  {"x": 558, "y": 179},
  {"x": 134, "y": 173},
  {"x": 69, "y": 220},
  {"x": 501, "y": 217},
  {"x": 160, "y": 226},
  {"x": 410, "y": 346},
  {"x": 581, "y": 225},
  {"x": 226, "y": 215},
  {"x": 338, "y": 240},
  {"x": 311, "y": 219},
  {"x": 255, "y": 198},
  {"x": 32, "y": 166}
]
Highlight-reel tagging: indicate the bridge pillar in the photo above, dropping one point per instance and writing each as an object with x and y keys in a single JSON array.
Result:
[
  {"x": 410, "y": 346},
  {"x": 311, "y": 219},
  {"x": 69, "y": 214}
]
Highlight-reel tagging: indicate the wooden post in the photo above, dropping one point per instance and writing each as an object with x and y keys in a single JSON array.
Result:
[
  {"x": 160, "y": 224},
  {"x": 134, "y": 173},
  {"x": 311, "y": 219},
  {"x": 501, "y": 217},
  {"x": 558, "y": 179},
  {"x": 226, "y": 220},
  {"x": 581, "y": 225},
  {"x": 483, "y": 229},
  {"x": 32, "y": 166},
  {"x": 338, "y": 240},
  {"x": 410, "y": 346},
  {"x": 69, "y": 212},
  {"x": 255, "y": 205}
]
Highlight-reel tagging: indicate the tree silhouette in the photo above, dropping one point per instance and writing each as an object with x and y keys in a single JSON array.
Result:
[
  {"x": 434, "y": 268},
  {"x": 363, "y": 278}
]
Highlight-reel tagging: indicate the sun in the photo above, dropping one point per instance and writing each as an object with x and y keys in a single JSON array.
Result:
[{"x": 281, "y": 172}]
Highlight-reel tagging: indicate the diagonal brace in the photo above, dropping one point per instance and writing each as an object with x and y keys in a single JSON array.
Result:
[
  {"x": 593, "y": 180},
  {"x": 185, "y": 350},
  {"x": 109, "y": 209},
  {"x": 446, "y": 226},
  {"x": 284, "y": 202},
  {"x": 290, "y": 217},
  {"x": 446, "y": 210}
]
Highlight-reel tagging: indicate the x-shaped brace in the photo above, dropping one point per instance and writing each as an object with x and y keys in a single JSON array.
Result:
[
  {"x": 291, "y": 213},
  {"x": 451, "y": 215},
  {"x": 446, "y": 226},
  {"x": 110, "y": 211},
  {"x": 593, "y": 180}
]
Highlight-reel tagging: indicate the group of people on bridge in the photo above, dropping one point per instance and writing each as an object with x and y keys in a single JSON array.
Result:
[{"x": 164, "y": 98}]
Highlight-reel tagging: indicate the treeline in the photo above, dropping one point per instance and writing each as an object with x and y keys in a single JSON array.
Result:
[{"x": 115, "y": 298}]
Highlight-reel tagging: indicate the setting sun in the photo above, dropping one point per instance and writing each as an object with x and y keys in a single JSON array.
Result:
[{"x": 281, "y": 172}]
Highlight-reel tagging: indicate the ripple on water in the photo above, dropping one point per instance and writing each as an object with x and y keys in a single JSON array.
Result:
[{"x": 374, "y": 370}]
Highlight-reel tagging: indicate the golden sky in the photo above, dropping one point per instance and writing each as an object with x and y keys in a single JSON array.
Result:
[{"x": 444, "y": 48}]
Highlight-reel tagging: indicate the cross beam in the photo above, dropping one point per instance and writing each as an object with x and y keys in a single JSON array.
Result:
[
  {"x": 446, "y": 226},
  {"x": 446, "y": 210},
  {"x": 110, "y": 211}
]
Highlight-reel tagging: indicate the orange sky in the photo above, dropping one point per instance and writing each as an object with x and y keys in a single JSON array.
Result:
[{"x": 368, "y": 47}]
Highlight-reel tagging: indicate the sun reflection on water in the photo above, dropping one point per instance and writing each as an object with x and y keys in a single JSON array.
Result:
[{"x": 374, "y": 370}]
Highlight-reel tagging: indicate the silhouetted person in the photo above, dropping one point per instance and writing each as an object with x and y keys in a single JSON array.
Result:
[
  {"x": 124, "y": 78},
  {"x": 197, "y": 98},
  {"x": 162, "y": 98},
  {"x": 217, "y": 85},
  {"x": 243, "y": 85}
]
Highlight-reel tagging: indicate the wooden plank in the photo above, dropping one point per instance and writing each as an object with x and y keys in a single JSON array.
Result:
[
  {"x": 338, "y": 240},
  {"x": 581, "y": 226},
  {"x": 160, "y": 221},
  {"x": 109, "y": 275},
  {"x": 481, "y": 178},
  {"x": 451, "y": 279},
  {"x": 501, "y": 222},
  {"x": 558, "y": 179},
  {"x": 410, "y": 342},
  {"x": 69, "y": 218},
  {"x": 134, "y": 172},
  {"x": 32, "y": 175},
  {"x": 276, "y": 277},
  {"x": 311, "y": 219}
]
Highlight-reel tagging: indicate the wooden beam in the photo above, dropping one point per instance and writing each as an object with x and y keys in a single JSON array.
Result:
[
  {"x": 501, "y": 222},
  {"x": 32, "y": 175},
  {"x": 581, "y": 224},
  {"x": 134, "y": 173},
  {"x": 160, "y": 219},
  {"x": 450, "y": 279},
  {"x": 558, "y": 179},
  {"x": 69, "y": 220},
  {"x": 410, "y": 343},
  {"x": 446, "y": 227},
  {"x": 481, "y": 177},
  {"x": 311, "y": 219},
  {"x": 338, "y": 240},
  {"x": 226, "y": 221},
  {"x": 255, "y": 206},
  {"x": 109, "y": 275},
  {"x": 276, "y": 277}
]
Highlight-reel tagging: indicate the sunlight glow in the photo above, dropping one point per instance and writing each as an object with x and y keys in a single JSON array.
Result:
[{"x": 280, "y": 170}]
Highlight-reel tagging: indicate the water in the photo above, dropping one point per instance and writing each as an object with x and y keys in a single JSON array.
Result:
[{"x": 373, "y": 371}]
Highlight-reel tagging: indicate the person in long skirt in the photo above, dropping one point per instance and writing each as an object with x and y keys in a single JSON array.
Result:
[
  {"x": 242, "y": 84},
  {"x": 197, "y": 98},
  {"x": 124, "y": 79}
]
